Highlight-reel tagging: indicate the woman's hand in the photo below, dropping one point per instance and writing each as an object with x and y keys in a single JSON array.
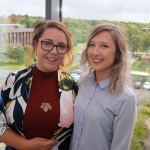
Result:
[{"x": 39, "y": 144}]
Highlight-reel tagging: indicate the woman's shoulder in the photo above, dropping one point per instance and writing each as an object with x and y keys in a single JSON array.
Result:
[
  {"x": 24, "y": 73},
  {"x": 129, "y": 92},
  {"x": 66, "y": 82},
  {"x": 13, "y": 76},
  {"x": 127, "y": 96},
  {"x": 65, "y": 76}
]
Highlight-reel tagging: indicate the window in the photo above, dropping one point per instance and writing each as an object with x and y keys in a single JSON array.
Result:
[
  {"x": 3, "y": 42},
  {"x": 81, "y": 17},
  {"x": 11, "y": 35}
]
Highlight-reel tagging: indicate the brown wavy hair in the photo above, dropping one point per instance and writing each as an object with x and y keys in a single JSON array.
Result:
[
  {"x": 120, "y": 74},
  {"x": 39, "y": 30}
]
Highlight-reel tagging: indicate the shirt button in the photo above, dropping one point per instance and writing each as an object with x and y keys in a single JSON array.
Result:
[
  {"x": 93, "y": 91},
  {"x": 116, "y": 103}
]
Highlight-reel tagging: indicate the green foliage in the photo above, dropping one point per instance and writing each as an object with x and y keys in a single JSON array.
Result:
[
  {"x": 79, "y": 28},
  {"x": 18, "y": 54},
  {"x": 147, "y": 104},
  {"x": 136, "y": 66},
  {"x": 140, "y": 130},
  {"x": 29, "y": 55},
  {"x": 138, "y": 40},
  {"x": 3, "y": 58},
  {"x": 73, "y": 67},
  {"x": 136, "y": 145},
  {"x": 74, "y": 42},
  {"x": 143, "y": 112},
  {"x": 139, "y": 133},
  {"x": 28, "y": 21},
  {"x": 27, "y": 48},
  {"x": 9, "y": 51},
  {"x": 12, "y": 65},
  {"x": 79, "y": 48}
]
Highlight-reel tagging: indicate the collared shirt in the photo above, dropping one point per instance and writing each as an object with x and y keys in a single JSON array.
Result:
[{"x": 103, "y": 121}]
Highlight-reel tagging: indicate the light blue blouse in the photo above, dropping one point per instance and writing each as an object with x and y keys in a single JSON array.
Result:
[{"x": 103, "y": 121}]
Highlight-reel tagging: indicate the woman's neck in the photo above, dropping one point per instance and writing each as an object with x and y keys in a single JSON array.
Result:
[{"x": 100, "y": 76}]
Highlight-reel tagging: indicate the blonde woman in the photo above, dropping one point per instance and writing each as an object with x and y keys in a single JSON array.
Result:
[{"x": 105, "y": 107}]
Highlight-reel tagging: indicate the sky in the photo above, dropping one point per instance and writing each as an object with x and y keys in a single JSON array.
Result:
[{"x": 114, "y": 10}]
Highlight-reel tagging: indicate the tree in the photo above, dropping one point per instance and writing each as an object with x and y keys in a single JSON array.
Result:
[
  {"x": 74, "y": 42},
  {"x": 30, "y": 56},
  {"x": 9, "y": 51},
  {"x": 14, "y": 19},
  {"x": 27, "y": 48},
  {"x": 145, "y": 42},
  {"x": 18, "y": 54},
  {"x": 133, "y": 35}
]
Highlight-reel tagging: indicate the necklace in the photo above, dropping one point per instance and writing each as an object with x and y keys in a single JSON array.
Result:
[{"x": 45, "y": 105}]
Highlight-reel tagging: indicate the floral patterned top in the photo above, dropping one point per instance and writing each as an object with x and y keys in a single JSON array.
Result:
[{"x": 14, "y": 94}]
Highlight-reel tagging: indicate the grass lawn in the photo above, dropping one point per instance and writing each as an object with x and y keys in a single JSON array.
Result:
[
  {"x": 11, "y": 65},
  {"x": 136, "y": 67},
  {"x": 79, "y": 48}
]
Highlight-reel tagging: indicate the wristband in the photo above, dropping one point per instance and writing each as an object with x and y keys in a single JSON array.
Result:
[{"x": 3, "y": 124}]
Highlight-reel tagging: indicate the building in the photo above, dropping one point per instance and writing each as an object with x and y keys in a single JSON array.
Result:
[
  {"x": 139, "y": 78},
  {"x": 147, "y": 29},
  {"x": 143, "y": 74},
  {"x": 15, "y": 34},
  {"x": 146, "y": 59}
]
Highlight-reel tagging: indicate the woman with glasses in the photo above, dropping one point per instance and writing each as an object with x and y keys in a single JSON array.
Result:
[
  {"x": 105, "y": 108},
  {"x": 36, "y": 103}
]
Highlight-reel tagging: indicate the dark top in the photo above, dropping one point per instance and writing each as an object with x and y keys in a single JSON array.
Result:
[{"x": 36, "y": 122}]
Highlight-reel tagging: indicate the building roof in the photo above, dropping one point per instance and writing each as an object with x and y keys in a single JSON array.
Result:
[
  {"x": 146, "y": 56},
  {"x": 11, "y": 25},
  {"x": 140, "y": 73},
  {"x": 145, "y": 28}
]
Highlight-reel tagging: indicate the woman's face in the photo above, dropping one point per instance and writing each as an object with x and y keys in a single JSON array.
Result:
[
  {"x": 101, "y": 53},
  {"x": 49, "y": 61}
]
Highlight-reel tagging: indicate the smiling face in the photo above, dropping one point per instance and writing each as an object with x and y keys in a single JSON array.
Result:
[
  {"x": 49, "y": 61},
  {"x": 101, "y": 54}
]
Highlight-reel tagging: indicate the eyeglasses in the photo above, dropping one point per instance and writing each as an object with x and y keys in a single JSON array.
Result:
[{"x": 48, "y": 46}]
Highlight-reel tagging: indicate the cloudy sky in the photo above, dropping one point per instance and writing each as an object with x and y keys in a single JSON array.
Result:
[{"x": 119, "y": 10}]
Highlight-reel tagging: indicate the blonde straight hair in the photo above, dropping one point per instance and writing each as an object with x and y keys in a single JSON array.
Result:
[{"x": 120, "y": 74}]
